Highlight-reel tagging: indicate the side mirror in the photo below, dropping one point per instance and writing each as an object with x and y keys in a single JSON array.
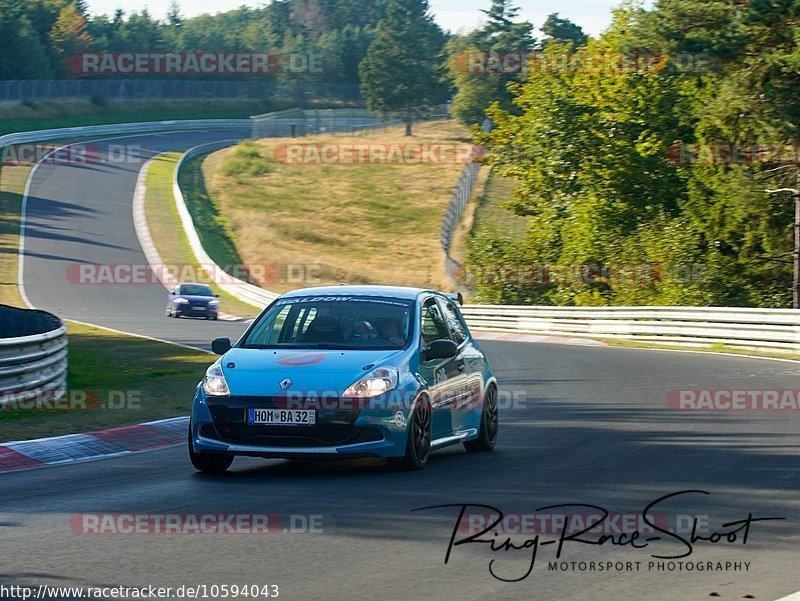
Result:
[
  {"x": 220, "y": 346},
  {"x": 216, "y": 296},
  {"x": 174, "y": 292},
  {"x": 441, "y": 349}
]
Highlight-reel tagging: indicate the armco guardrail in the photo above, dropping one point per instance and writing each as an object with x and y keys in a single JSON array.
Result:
[
  {"x": 767, "y": 328},
  {"x": 33, "y": 355},
  {"x": 62, "y": 133},
  {"x": 244, "y": 291}
]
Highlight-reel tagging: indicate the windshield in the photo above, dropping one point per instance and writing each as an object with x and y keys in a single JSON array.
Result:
[
  {"x": 335, "y": 322},
  {"x": 195, "y": 290}
]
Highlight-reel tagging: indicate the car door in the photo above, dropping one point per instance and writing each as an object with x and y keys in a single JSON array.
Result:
[
  {"x": 466, "y": 379},
  {"x": 437, "y": 372}
]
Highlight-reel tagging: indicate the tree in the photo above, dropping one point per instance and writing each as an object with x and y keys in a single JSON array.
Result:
[
  {"x": 588, "y": 149},
  {"x": 563, "y": 30},
  {"x": 501, "y": 32},
  {"x": 478, "y": 88},
  {"x": 22, "y": 56},
  {"x": 69, "y": 34},
  {"x": 403, "y": 66}
]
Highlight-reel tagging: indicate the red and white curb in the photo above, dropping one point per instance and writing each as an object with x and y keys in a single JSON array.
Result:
[{"x": 93, "y": 445}]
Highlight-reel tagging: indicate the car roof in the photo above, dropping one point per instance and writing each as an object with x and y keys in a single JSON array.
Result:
[{"x": 403, "y": 292}]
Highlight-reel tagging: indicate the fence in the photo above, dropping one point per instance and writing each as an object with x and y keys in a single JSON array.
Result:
[
  {"x": 763, "y": 328},
  {"x": 454, "y": 213},
  {"x": 301, "y": 122},
  {"x": 33, "y": 355},
  {"x": 173, "y": 89}
]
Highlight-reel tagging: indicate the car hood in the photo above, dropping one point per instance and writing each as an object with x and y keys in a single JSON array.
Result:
[
  {"x": 259, "y": 372},
  {"x": 194, "y": 299}
]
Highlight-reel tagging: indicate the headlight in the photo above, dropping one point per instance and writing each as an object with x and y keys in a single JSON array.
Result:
[
  {"x": 214, "y": 383},
  {"x": 375, "y": 383},
  {"x": 181, "y": 301},
  {"x": 213, "y": 303}
]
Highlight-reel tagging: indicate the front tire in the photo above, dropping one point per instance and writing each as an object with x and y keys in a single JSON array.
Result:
[
  {"x": 208, "y": 463},
  {"x": 418, "y": 441},
  {"x": 487, "y": 434}
]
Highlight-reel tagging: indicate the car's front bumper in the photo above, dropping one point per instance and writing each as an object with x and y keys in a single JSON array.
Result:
[
  {"x": 380, "y": 448},
  {"x": 218, "y": 426},
  {"x": 184, "y": 311}
]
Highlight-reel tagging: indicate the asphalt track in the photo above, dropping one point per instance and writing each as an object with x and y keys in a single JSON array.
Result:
[
  {"x": 588, "y": 425},
  {"x": 81, "y": 213}
]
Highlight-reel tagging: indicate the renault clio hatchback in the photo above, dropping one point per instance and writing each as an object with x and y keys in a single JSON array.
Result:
[{"x": 345, "y": 372}]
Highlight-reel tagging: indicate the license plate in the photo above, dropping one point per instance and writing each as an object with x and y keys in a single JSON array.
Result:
[
  {"x": 281, "y": 417},
  {"x": 198, "y": 308}
]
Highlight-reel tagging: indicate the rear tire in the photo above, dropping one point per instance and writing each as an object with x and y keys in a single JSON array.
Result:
[
  {"x": 487, "y": 434},
  {"x": 418, "y": 441},
  {"x": 208, "y": 463}
]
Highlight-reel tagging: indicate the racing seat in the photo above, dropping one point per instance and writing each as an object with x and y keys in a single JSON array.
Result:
[{"x": 324, "y": 328}]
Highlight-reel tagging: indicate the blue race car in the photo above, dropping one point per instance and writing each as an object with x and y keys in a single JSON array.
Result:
[
  {"x": 192, "y": 300},
  {"x": 346, "y": 372}
]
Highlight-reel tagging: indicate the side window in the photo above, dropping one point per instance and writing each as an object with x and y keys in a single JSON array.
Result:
[
  {"x": 269, "y": 332},
  {"x": 433, "y": 324},
  {"x": 454, "y": 324}
]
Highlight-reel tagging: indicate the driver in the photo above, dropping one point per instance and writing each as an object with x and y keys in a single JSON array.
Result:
[{"x": 390, "y": 330}]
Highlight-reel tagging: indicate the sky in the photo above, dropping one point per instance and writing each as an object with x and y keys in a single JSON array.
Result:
[{"x": 455, "y": 15}]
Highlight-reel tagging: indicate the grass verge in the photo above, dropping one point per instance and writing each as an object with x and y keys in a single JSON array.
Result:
[
  {"x": 12, "y": 187},
  {"x": 328, "y": 222},
  {"x": 168, "y": 234},
  {"x": 489, "y": 211},
  {"x": 113, "y": 380}
]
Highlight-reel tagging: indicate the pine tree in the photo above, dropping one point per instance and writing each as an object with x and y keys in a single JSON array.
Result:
[
  {"x": 403, "y": 66},
  {"x": 501, "y": 37},
  {"x": 563, "y": 30}
]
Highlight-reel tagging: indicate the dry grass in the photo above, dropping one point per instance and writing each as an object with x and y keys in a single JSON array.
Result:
[
  {"x": 360, "y": 223},
  {"x": 12, "y": 187}
]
